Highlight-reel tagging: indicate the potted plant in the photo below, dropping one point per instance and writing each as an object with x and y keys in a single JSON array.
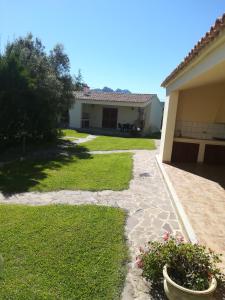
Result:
[{"x": 188, "y": 271}]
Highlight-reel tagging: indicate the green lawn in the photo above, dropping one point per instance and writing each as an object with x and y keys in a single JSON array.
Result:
[
  {"x": 62, "y": 252},
  {"x": 119, "y": 143},
  {"x": 72, "y": 134},
  {"x": 77, "y": 172}
]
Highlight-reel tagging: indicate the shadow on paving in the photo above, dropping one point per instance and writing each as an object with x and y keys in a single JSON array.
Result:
[
  {"x": 157, "y": 292},
  {"x": 220, "y": 293},
  {"x": 21, "y": 174},
  {"x": 214, "y": 173}
]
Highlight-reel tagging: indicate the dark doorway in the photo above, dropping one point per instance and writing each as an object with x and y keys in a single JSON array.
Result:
[
  {"x": 185, "y": 152},
  {"x": 214, "y": 154},
  {"x": 109, "y": 117}
]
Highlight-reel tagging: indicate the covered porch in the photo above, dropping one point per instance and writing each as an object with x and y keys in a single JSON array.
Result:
[
  {"x": 199, "y": 133},
  {"x": 194, "y": 118},
  {"x": 192, "y": 152},
  {"x": 111, "y": 117}
]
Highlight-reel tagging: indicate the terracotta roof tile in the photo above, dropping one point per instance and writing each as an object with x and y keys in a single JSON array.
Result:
[
  {"x": 202, "y": 43},
  {"x": 114, "y": 97}
]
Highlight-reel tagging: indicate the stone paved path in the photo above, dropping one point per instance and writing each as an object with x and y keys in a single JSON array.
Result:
[
  {"x": 112, "y": 151},
  {"x": 86, "y": 139},
  {"x": 148, "y": 204}
]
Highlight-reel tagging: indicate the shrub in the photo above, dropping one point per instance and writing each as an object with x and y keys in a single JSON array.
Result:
[{"x": 189, "y": 265}]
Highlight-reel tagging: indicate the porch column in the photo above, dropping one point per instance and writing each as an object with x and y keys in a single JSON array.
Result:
[{"x": 169, "y": 121}]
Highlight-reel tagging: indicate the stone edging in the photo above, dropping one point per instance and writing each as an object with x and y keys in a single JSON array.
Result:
[{"x": 177, "y": 204}]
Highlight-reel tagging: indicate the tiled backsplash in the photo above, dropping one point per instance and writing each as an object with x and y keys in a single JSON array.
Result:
[{"x": 198, "y": 130}]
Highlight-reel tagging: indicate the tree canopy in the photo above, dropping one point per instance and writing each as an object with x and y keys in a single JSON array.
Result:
[{"x": 36, "y": 89}]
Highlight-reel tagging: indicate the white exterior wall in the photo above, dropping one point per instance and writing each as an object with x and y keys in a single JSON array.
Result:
[
  {"x": 147, "y": 121},
  {"x": 95, "y": 114},
  {"x": 156, "y": 113},
  {"x": 153, "y": 116},
  {"x": 127, "y": 114},
  {"x": 75, "y": 114}
]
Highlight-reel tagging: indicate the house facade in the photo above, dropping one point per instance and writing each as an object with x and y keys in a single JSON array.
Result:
[
  {"x": 116, "y": 111},
  {"x": 194, "y": 114}
]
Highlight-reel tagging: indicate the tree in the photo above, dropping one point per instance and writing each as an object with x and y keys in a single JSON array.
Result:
[
  {"x": 78, "y": 82},
  {"x": 15, "y": 92},
  {"x": 36, "y": 89},
  {"x": 61, "y": 64}
]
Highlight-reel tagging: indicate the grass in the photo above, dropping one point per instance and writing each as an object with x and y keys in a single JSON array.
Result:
[
  {"x": 77, "y": 172},
  {"x": 119, "y": 143},
  {"x": 62, "y": 252},
  {"x": 72, "y": 134},
  {"x": 15, "y": 151}
]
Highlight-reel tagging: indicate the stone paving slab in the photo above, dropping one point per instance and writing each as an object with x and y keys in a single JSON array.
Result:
[{"x": 148, "y": 205}]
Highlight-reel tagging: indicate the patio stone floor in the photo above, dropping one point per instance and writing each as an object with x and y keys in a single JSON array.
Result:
[
  {"x": 201, "y": 190},
  {"x": 148, "y": 205}
]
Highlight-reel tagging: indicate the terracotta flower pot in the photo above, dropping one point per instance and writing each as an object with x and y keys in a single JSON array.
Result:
[{"x": 174, "y": 291}]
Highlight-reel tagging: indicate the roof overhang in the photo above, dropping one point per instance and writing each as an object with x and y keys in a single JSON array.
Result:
[
  {"x": 114, "y": 103},
  {"x": 206, "y": 68}
]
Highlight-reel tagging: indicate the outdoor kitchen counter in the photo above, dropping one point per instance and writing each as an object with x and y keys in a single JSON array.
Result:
[{"x": 202, "y": 145}]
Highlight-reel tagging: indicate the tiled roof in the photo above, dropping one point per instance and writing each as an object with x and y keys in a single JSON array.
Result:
[
  {"x": 114, "y": 97},
  {"x": 205, "y": 41}
]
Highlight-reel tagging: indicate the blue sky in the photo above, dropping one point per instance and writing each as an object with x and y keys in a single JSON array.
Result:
[{"x": 132, "y": 44}]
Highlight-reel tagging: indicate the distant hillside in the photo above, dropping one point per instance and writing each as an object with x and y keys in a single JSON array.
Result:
[{"x": 109, "y": 90}]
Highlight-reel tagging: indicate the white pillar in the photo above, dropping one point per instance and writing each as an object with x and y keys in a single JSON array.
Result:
[
  {"x": 201, "y": 152},
  {"x": 169, "y": 121},
  {"x": 75, "y": 114}
]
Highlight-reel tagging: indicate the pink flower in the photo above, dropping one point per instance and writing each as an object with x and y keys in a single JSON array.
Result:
[
  {"x": 139, "y": 264},
  {"x": 166, "y": 236},
  {"x": 180, "y": 238}
]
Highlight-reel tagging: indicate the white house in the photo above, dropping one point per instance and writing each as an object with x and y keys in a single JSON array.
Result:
[
  {"x": 115, "y": 111},
  {"x": 194, "y": 117}
]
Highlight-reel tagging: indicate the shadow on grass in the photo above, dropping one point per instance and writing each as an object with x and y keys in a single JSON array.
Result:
[
  {"x": 22, "y": 174},
  {"x": 117, "y": 133}
]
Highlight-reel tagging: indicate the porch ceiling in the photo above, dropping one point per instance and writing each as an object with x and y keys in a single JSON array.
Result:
[{"x": 214, "y": 75}]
